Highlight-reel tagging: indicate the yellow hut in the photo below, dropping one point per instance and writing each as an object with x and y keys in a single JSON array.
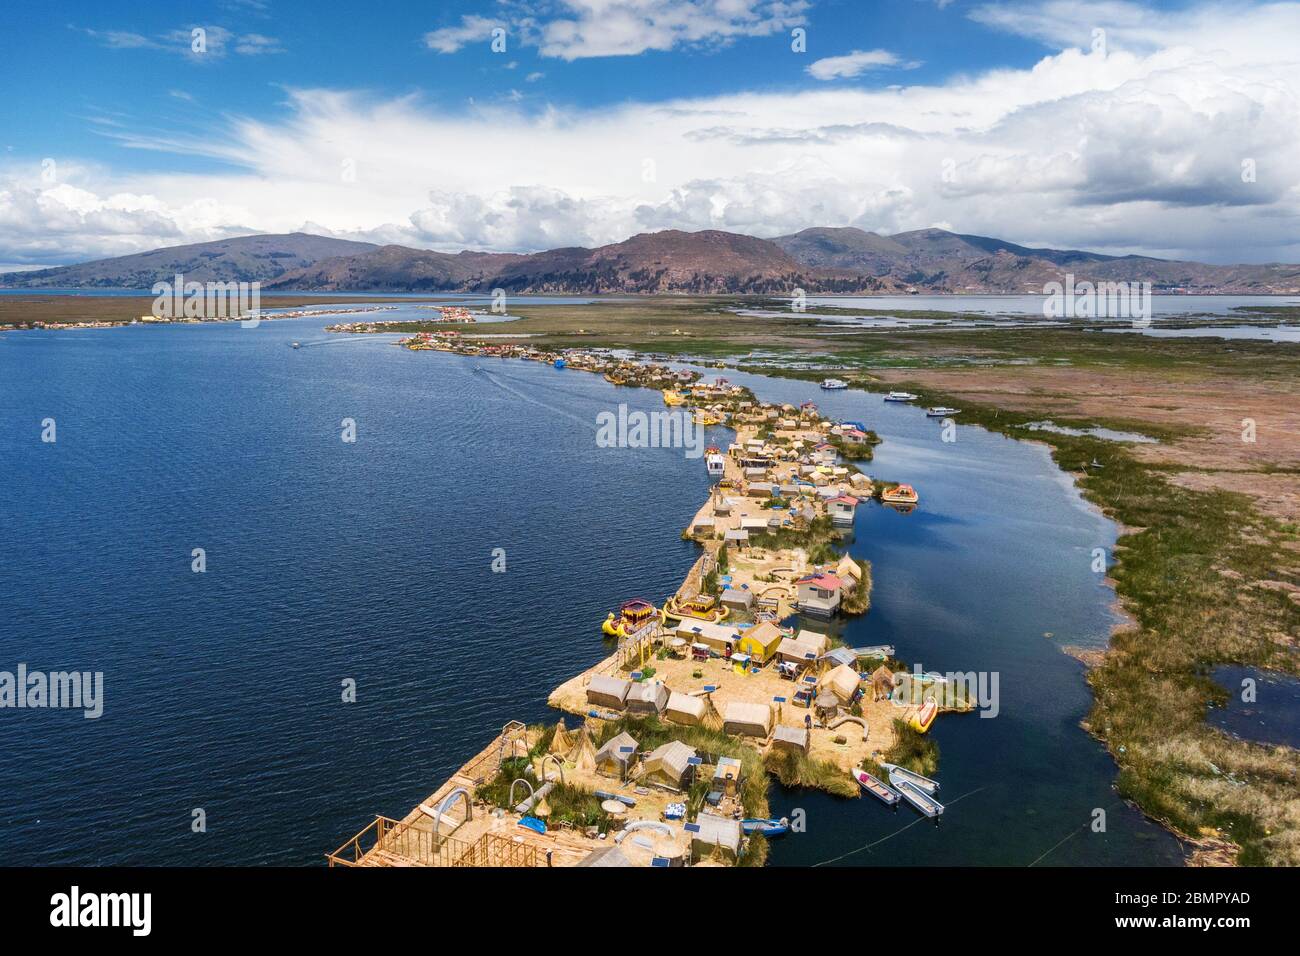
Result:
[{"x": 760, "y": 641}]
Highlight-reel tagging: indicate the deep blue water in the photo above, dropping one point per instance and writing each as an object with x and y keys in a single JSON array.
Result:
[{"x": 372, "y": 561}]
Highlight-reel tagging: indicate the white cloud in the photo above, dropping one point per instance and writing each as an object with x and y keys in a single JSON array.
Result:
[
  {"x": 855, "y": 63},
  {"x": 577, "y": 29},
  {"x": 1136, "y": 150},
  {"x": 471, "y": 29},
  {"x": 216, "y": 41}
]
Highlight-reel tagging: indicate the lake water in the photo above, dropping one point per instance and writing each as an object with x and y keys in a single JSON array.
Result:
[
  {"x": 371, "y": 561},
  {"x": 1270, "y": 716}
]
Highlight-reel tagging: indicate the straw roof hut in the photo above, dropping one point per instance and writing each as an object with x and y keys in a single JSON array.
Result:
[
  {"x": 605, "y": 691},
  {"x": 797, "y": 652},
  {"x": 882, "y": 683},
  {"x": 842, "y": 682},
  {"x": 751, "y": 720},
  {"x": 615, "y": 758},
  {"x": 605, "y": 856},
  {"x": 583, "y": 753},
  {"x": 562, "y": 741},
  {"x": 815, "y": 639},
  {"x": 647, "y": 697},
  {"x": 685, "y": 709},
  {"x": 793, "y": 739},
  {"x": 669, "y": 765},
  {"x": 716, "y": 835}
]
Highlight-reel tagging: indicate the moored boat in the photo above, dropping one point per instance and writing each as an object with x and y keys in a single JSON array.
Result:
[
  {"x": 941, "y": 411},
  {"x": 899, "y": 775},
  {"x": 918, "y": 798},
  {"x": 715, "y": 462},
  {"x": 833, "y": 383},
  {"x": 900, "y": 495},
  {"x": 633, "y": 616},
  {"x": 901, "y": 397},
  {"x": 876, "y": 787},
  {"x": 768, "y": 826},
  {"x": 923, "y": 718},
  {"x": 674, "y": 398}
]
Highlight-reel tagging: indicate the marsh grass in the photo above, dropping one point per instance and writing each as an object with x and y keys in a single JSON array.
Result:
[
  {"x": 799, "y": 770},
  {"x": 913, "y": 750}
]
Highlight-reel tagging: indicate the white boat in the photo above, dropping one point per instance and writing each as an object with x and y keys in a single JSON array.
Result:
[
  {"x": 899, "y": 775},
  {"x": 919, "y": 799},
  {"x": 877, "y": 788},
  {"x": 833, "y": 383},
  {"x": 296, "y": 345},
  {"x": 941, "y": 411},
  {"x": 716, "y": 464},
  {"x": 901, "y": 397}
]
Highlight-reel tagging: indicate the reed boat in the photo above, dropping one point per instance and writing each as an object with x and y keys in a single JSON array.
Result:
[
  {"x": 632, "y": 617},
  {"x": 876, "y": 787},
  {"x": 901, "y": 397},
  {"x": 707, "y": 418},
  {"x": 899, "y": 775},
  {"x": 900, "y": 495},
  {"x": 672, "y": 397},
  {"x": 702, "y": 607},
  {"x": 941, "y": 411},
  {"x": 768, "y": 826},
  {"x": 921, "y": 800},
  {"x": 923, "y": 718},
  {"x": 830, "y": 384}
]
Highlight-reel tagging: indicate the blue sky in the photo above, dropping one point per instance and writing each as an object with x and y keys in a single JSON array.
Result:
[{"x": 398, "y": 122}]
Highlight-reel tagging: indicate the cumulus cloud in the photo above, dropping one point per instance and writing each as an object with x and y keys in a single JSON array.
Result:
[
  {"x": 1123, "y": 150},
  {"x": 855, "y": 64}
]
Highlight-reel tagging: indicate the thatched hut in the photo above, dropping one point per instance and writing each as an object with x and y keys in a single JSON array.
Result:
[
  {"x": 685, "y": 709},
  {"x": 647, "y": 697},
  {"x": 615, "y": 758},
  {"x": 792, "y": 739},
  {"x": 750, "y": 720},
  {"x": 882, "y": 683},
  {"x": 606, "y": 691},
  {"x": 583, "y": 753},
  {"x": 669, "y": 765},
  {"x": 561, "y": 741},
  {"x": 843, "y": 682},
  {"x": 716, "y": 835}
]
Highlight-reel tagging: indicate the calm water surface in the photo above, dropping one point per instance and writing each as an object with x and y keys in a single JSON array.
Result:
[{"x": 371, "y": 561}]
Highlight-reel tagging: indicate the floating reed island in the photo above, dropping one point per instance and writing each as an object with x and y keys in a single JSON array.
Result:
[{"x": 738, "y": 676}]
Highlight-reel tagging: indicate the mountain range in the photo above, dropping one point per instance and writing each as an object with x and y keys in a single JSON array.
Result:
[{"x": 817, "y": 260}]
